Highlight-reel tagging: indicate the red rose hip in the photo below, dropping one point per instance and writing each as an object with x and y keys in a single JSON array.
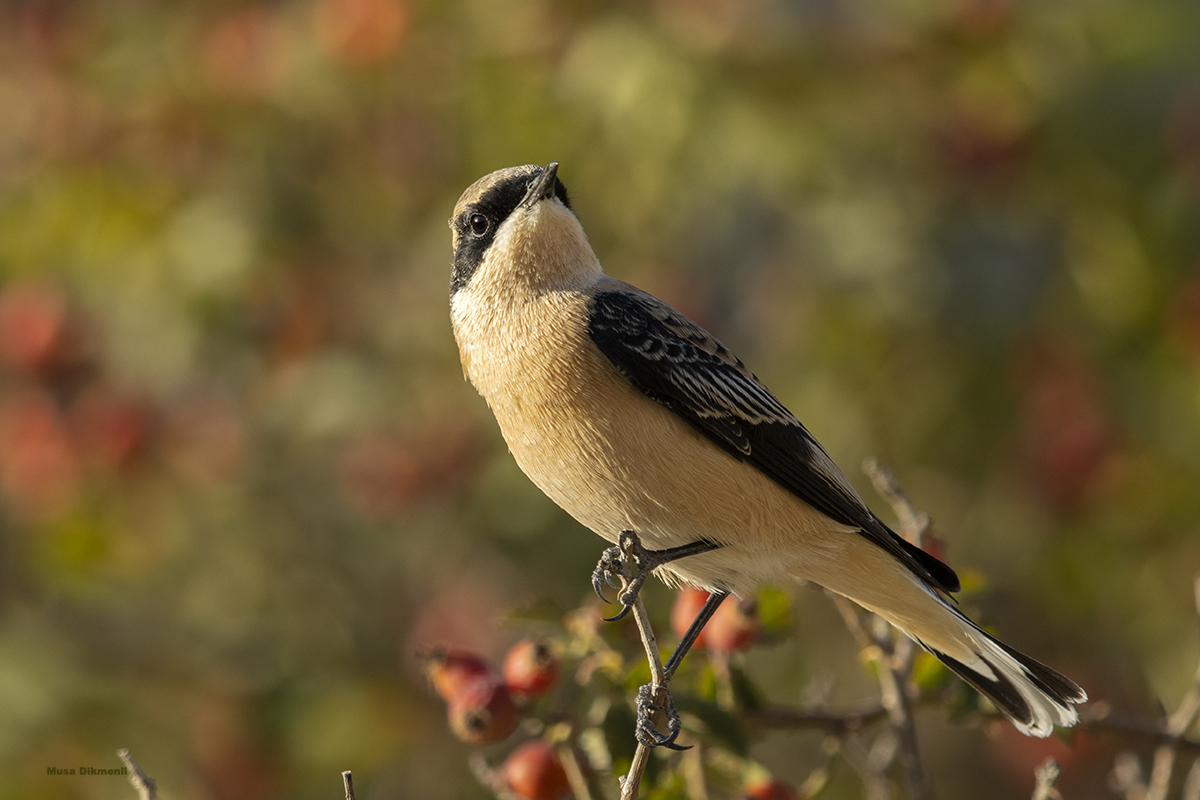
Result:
[
  {"x": 530, "y": 668},
  {"x": 534, "y": 772},
  {"x": 482, "y": 712},
  {"x": 451, "y": 669}
]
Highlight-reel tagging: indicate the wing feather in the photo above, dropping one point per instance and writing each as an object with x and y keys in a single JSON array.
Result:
[{"x": 681, "y": 366}]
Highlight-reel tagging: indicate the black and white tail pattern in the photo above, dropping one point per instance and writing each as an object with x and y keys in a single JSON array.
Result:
[{"x": 1033, "y": 696}]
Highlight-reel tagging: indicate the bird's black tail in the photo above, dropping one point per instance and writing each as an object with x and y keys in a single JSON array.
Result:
[{"x": 1033, "y": 696}]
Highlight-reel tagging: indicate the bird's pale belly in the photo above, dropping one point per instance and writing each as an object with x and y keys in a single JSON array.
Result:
[{"x": 604, "y": 459}]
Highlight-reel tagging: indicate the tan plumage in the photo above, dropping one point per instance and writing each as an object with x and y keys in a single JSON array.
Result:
[{"x": 629, "y": 416}]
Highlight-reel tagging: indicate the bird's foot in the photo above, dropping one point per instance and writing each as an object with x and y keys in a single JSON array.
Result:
[
  {"x": 627, "y": 565},
  {"x": 651, "y": 702}
]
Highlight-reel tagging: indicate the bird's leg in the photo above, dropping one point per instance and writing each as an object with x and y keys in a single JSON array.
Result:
[
  {"x": 630, "y": 564},
  {"x": 693, "y": 632}
]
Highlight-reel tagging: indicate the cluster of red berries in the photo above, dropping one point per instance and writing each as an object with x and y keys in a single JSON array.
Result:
[{"x": 482, "y": 706}]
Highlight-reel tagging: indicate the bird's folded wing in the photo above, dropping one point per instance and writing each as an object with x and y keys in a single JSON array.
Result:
[{"x": 681, "y": 366}]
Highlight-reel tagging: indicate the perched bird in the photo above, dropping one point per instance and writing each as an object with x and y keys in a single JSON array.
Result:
[{"x": 633, "y": 418}]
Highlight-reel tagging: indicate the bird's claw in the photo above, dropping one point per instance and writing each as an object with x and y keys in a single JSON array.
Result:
[
  {"x": 647, "y": 732},
  {"x": 608, "y": 570},
  {"x": 624, "y": 566},
  {"x": 628, "y": 564}
]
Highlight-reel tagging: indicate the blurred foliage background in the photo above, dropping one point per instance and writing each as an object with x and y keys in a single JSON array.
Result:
[{"x": 243, "y": 479}]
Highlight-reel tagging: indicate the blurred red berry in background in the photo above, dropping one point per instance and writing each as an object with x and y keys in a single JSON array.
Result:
[
  {"x": 450, "y": 669},
  {"x": 530, "y": 668},
  {"x": 533, "y": 771},
  {"x": 734, "y": 626},
  {"x": 688, "y": 602},
  {"x": 36, "y": 332},
  {"x": 482, "y": 711},
  {"x": 39, "y": 466},
  {"x": 112, "y": 431}
]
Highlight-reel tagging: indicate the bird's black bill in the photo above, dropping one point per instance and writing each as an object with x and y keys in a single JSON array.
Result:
[{"x": 542, "y": 186}]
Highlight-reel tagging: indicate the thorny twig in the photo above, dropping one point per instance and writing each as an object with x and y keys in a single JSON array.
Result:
[
  {"x": 145, "y": 785},
  {"x": 1099, "y": 718}
]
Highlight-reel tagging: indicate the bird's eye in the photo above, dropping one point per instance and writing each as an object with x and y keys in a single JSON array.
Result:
[{"x": 479, "y": 224}]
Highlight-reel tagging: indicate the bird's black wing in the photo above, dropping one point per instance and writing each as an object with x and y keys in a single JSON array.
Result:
[{"x": 680, "y": 365}]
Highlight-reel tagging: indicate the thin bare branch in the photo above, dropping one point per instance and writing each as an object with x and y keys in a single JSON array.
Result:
[
  {"x": 1098, "y": 718},
  {"x": 641, "y": 757},
  {"x": 892, "y": 678},
  {"x": 145, "y": 785},
  {"x": 348, "y": 784},
  {"x": 894, "y": 669},
  {"x": 913, "y": 523},
  {"x": 784, "y": 718}
]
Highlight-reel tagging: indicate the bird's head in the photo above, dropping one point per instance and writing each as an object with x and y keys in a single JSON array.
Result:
[{"x": 514, "y": 229}]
